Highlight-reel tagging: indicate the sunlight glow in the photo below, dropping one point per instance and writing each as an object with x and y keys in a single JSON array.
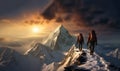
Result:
[{"x": 36, "y": 29}]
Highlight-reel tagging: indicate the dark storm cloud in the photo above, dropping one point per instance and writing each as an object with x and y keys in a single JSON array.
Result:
[
  {"x": 89, "y": 12},
  {"x": 59, "y": 19},
  {"x": 86, "y": 12},
  {"x": 49, "y": 13}
]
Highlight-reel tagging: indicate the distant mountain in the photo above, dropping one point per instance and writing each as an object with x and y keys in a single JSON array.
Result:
[
  {"x": 11, "y": 60},
  {"x": 115, "y": 53},
  {"x": 7, "y": 57},
  {"x": 110, "y": 53},
  {"x": 114, "y": 57},
  {"x": 42, "y": 52},
  {"x": 60, "y": 39}
]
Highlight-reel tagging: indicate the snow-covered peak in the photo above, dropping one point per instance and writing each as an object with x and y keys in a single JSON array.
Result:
[
  {"x": 115, "y": 53},
  {"x": 59, "y": 39},
  {"x": 6, "y": 56},
  {"x": 61, "y": 28}
]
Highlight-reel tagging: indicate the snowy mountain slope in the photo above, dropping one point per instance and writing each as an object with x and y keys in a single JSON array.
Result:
[
  {"x": 11, "y": 60},
  {"x": 92, "y": 63},
  {"x": 114, "y": 58},
  {"x": 39, "y": 50},
  {"x": 115, "y": 53},
  {"x": 51, "y": 67},
  {"x": 111, "y": 54},
  {"x": 6, "y": 56},
  {"x": 59, "y": 39},
  {"x": 45, "y": 54}
]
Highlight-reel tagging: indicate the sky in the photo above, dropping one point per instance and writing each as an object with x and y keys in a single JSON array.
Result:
[{"x": 19, "y": 17}]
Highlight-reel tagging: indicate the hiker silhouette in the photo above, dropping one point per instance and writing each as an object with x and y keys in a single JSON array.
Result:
[
  {"x": 80, "y": 41},
  {"x": 92, "y": 41}
]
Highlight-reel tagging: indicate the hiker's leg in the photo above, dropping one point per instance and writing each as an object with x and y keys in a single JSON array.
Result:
[
  {"x": 80, "y": 47},
  {"x": 93, "y": 47},
  {"x": 90, "y": 48}
]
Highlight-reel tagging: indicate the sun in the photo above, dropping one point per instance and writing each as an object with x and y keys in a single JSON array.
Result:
[{"x": 35, "y": 29}]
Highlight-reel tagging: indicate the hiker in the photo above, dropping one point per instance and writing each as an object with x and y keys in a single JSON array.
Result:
[
  {"x": 92, "y": 41},
  {"x": 80, "y": 41}
]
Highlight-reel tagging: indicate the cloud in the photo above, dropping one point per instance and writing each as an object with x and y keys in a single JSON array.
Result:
[
  {"x": 84, "y": 13},
  {"x": 74, "y": 13},
  {"x": 5, "y": 21},
  {"x": 2, "y": 39},
  {"x": 49, "y": 13}
]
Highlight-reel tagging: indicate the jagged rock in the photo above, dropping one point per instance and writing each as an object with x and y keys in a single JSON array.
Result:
[
  {"x": 69, "y": 68},
  {"x": 81, "y": 59},
  {"x": 81, "y": 69},
  {"x": 73, "y": 68}
]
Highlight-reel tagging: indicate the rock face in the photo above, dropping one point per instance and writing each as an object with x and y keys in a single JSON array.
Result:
[{"x": 59, "y": 39}]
